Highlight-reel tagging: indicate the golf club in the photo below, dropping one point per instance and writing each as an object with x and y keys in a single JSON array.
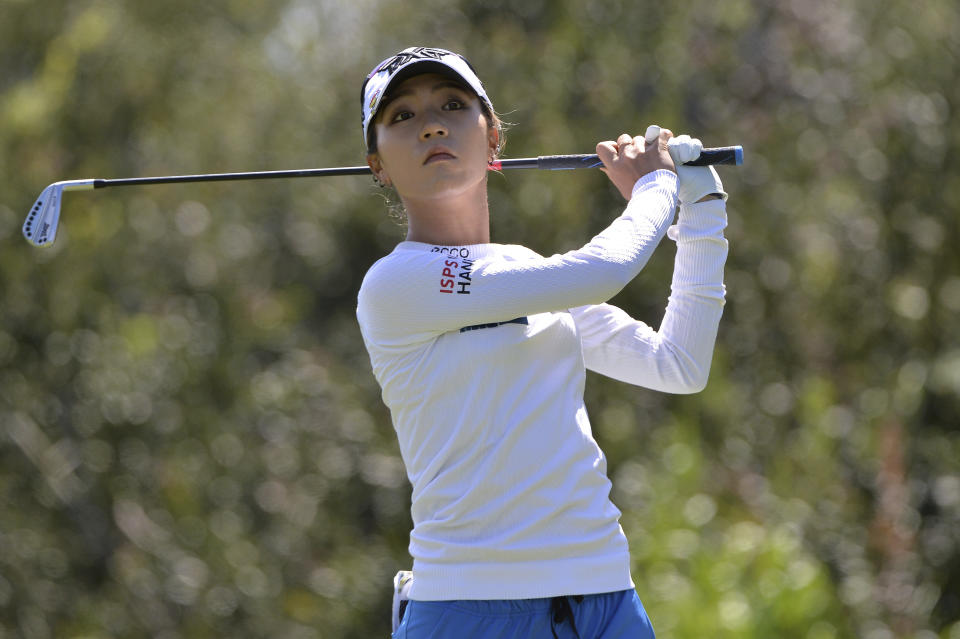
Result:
[{"x": 40, "y": 227}]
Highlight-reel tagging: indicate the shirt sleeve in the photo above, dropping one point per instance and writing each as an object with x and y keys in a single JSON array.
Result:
[
  {"x": 676, "y": 358},
  {"x": 404, "y": 297}
]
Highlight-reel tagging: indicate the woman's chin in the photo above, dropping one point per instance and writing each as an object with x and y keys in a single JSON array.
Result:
[{"x": 446, "y": 184}]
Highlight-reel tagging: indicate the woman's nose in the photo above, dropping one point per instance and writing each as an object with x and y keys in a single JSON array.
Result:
[{"x": 433, "y": 128}]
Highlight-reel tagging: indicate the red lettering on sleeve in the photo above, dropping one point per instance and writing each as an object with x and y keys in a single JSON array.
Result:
[{"x": 446, "y": 285}]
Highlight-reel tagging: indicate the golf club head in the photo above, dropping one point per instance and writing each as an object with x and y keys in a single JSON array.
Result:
[{"x": 40, "y": 227}]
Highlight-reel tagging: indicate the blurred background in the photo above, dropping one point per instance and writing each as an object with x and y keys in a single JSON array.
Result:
[{"x": 192, "y": 441}]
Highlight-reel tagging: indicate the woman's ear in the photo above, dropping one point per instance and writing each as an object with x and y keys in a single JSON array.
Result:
[
  {"x": 493, "y": 142},
  {"x": 379, "y": 173}
]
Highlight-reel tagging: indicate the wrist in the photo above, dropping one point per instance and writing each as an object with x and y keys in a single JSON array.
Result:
[
  {"x": 703, "y": 215},
  {"x": 660, "y": 175}
]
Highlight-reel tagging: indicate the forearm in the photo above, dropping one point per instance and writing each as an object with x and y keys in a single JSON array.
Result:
[{"x": 697, "y": 291}]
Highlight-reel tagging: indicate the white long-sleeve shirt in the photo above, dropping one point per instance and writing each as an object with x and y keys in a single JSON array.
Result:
[{"x": 481, "y": 354}]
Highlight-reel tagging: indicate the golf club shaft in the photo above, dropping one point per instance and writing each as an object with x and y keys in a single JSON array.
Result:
[
  {"x": 723, "y": 155},
  {"x": 40, "y": 227}
]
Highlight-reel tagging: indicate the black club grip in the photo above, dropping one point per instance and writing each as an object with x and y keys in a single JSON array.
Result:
[{"x": 732, "y": 155}]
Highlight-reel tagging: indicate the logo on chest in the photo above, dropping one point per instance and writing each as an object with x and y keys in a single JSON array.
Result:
[{"x": 456, "y": 270}]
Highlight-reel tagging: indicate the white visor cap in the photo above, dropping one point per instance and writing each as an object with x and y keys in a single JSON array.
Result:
[{"x": 409, "y": 62}]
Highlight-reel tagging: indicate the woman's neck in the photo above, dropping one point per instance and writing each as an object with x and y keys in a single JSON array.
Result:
[{"x": 456, "y": 220}]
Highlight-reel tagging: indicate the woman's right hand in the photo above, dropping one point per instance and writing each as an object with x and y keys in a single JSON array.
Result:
[{"x": 630, "y": 158}]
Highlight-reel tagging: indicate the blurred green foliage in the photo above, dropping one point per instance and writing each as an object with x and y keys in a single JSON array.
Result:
[{"x": 193, "y": 445}]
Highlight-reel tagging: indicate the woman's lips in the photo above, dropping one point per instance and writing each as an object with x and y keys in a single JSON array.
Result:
[{"x": 439, "y": 156}]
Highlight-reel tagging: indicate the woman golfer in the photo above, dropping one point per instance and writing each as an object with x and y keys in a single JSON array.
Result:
[{"x": 481, "y": 351}]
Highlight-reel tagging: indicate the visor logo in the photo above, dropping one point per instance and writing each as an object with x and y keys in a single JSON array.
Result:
[{"x": 420, "y": 53}]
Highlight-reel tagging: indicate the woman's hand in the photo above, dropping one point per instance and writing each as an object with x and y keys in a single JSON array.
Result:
[{"x": 630, "y": 158}]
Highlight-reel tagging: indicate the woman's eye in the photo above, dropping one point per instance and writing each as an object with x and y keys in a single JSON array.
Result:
[
  {"x": 453, "y": 105},
  {"x": 400, "y": 116}
]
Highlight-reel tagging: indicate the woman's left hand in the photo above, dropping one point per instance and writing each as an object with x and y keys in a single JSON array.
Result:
[{"x": 630, "y": 158}]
